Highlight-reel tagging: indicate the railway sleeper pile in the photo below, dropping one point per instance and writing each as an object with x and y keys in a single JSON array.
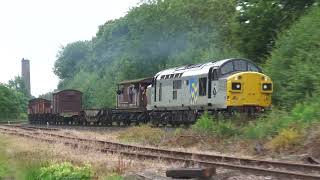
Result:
[{"x": 251, "y": 166}]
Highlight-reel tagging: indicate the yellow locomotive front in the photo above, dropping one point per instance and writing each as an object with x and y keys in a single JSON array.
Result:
[{"x": 249, "y": 90}]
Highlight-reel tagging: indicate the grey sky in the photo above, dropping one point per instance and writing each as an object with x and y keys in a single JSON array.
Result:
[{"x": 36, "y": 29}]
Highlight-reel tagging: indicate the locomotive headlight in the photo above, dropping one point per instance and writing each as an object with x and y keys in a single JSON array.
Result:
[
  {"x": 267, "y": 86},
  {"x": 236, "y": 86}
]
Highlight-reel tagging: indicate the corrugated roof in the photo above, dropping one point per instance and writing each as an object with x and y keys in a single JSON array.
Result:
[
  {"x": 67, "y": 90},
  {"x": 145, "y": 80}
]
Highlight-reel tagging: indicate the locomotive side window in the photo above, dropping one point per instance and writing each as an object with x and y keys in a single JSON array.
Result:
[
  {"x": 227, "y": 68},
  {"x": 240, "y": 65},
  {"x": 177, "y": 84},
  {"x": 203, "y": 86},
  {"x": 174, "y": 95},
  {"x": 160, "y": 91}
]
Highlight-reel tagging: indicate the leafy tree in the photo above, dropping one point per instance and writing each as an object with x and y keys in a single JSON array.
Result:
[
  {"x": 18, "y": 85},
  {"x": 293, "y": 64},
  {"x": 12, "y": 103},
  {"x": 69, "y": 58},
  {"x": 151, "y": 37},
  {"x": 47, "y": 96},
  {"x": 258, "y": 23}
]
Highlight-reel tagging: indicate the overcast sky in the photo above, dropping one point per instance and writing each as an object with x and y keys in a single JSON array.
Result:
[{"x": 36, "y": 29}]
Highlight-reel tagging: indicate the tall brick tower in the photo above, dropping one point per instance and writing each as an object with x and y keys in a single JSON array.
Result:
[{"x": 25, "y": 74}]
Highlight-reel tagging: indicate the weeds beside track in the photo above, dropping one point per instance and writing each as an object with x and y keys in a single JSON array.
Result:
[{"x": 245, "y": 165}]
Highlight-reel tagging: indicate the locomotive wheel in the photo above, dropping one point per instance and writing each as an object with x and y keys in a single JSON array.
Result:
[
  {"x": 186, "y": 124},
  {"x": 155, "y": 123}
]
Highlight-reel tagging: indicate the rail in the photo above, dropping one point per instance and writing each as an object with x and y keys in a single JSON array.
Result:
[{"x": 245, "y": 165}]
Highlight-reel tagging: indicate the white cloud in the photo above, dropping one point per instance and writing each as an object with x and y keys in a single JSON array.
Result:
[{"x": 36, "y": 29}]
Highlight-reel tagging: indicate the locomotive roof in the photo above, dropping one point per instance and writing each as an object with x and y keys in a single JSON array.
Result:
[
  {"x": 197, "y": 69},
  {"x": 67, "y": 90},
  {"x": 141, "y": 80}
]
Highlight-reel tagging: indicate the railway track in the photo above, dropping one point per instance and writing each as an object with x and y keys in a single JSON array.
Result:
[{"x": 286, "y": 170}]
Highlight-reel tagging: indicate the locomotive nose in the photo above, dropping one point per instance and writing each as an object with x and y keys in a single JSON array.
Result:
[{"x": 249, "y": 89}]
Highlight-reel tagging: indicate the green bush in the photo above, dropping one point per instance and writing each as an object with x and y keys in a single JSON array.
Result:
[
  {"x": 267, "y": 125},
  {"x": 31, "y": 172},
  {"x": 225, "y": 128},
  {"x": 65, "y": 171},
  {"x": 204, "y": 124},
  {"x": 218, "y": 127},
  {"x": 293, "y": 62},
  {"x": 302, "y": 116},
  {"x": 13, "y": 104}
]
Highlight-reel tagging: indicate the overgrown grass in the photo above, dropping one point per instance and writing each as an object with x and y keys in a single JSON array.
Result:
[
  {"x": 113, "y": 177},
  {"x": 15, "y": 165},
  {"x": 27, "y": 163},
  {"x": 4, "y": 169},
  {"x": 143, "y": 134},
  {"x": 221, "y": 128},
  {"x": 300, "y": 118},
  {"x": 285, "y": 140}
]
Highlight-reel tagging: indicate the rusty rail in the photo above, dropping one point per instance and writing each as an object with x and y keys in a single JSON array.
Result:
[{"x": 254, "y": 166}]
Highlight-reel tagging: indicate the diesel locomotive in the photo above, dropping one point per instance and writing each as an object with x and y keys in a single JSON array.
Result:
[{"x": 173, "y": 96}]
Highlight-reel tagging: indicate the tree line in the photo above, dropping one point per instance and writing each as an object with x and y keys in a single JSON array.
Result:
[
  {"x": 13, "y": 100},
  {"x": 280, "y": 35}
]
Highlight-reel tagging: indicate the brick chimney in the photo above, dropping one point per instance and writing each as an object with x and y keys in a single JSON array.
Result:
[{"x": 25, "y": 74}]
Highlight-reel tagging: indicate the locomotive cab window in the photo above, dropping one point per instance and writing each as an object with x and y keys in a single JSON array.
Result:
[
  {"x": 252, "y": 67},
  {"x": 203, "y": 86},
  {"x": 227, "y": 68},
  {"x": 240, "y": 65}
]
